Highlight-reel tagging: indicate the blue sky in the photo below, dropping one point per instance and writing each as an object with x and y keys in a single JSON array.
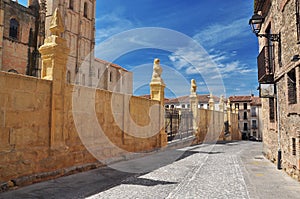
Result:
[{"x": 224, "y": 62}]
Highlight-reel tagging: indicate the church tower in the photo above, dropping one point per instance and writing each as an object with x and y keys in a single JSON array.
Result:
[{"x": 79, "y": 19}]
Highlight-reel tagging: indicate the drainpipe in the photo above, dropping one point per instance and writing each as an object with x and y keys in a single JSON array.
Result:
[{"x": 278, "y": 130}]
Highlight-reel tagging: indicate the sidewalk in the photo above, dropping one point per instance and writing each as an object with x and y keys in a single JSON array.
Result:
[{"x": 228, "y": 170}]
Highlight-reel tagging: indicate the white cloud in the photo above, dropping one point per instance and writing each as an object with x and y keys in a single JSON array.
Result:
[
  {"x": 116, "y": 24},
  {"x": 218, "y": 33}
]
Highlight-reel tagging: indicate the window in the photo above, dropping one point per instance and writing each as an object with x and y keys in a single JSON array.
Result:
[
  {"x": 254, "y": 133},
  {"x": 298, "y": 20},
  {"x": 85, "y": 9},
  {"x": 245, "y": 115},
  {"x": 69, "y": 77},
  {"x": 110, "y": 76},
  {"x": 293, "y": 146},
  {"x": 71, "y": 4},
  {"x": 254, "y": 124},
  {"x": 245, "y": 126},
  {"x": 271, "y": 109},
  {"x": 237, "y": 106},
  {"x": 13, "y": 29},
  {"x": 245, "y": 106},
  {"x": 83, "y": 79},
  {"x": 253, "y": 111},
  {"x": 183, "y": 106},
  {"x": 291, "y": 84}
]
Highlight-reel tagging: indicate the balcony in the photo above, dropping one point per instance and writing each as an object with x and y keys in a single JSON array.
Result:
[
  {"x": 254, "y": 127},
  {"x": 263, "y": 6},
  {"x": 265, "y": 64}
]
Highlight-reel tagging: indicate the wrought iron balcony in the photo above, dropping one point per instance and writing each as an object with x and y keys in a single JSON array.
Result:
[
  {"x": 254, "y": 127},
  {"x": 265, "y": 64}
]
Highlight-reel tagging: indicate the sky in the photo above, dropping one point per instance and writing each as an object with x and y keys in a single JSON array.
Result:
[{"x": 206, "y": 40}]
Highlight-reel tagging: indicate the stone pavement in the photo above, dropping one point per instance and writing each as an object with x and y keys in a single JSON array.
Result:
[{"x": 227, "y": 170}]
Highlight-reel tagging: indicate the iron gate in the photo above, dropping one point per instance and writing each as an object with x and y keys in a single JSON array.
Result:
[{"x": 178, "y": 124}]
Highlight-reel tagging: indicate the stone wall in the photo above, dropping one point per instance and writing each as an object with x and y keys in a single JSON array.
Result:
[
  {"x": 211, "y": 126},
  {"x": 102, "y": 130},
  {"x": 282, "y": 19},
  {"x": 15, "y": 51}
]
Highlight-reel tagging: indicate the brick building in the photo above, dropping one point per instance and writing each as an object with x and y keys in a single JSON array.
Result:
[
  {"x": 250, "y": 122},
  {"x": 277, "y": 25},
  {"x": 23, "y": 30}
]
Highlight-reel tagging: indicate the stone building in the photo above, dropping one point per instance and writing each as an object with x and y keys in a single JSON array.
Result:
[
  {"x": 25, "y": 28},
  {"x": 249, "y": 115},
  {"x": 277, "y": 25},
  {"x": 183, "y": 102}
]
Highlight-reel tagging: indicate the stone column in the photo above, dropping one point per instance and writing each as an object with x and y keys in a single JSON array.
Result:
[
  {"x": 194, "y": 104},
  {"x": 54, "y": 55},
  {"x": 221, "y": 104},
  {"x": 157, "y": 92}
]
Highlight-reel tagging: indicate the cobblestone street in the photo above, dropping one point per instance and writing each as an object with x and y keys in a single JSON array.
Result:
[{"x": 228, "y": 170}]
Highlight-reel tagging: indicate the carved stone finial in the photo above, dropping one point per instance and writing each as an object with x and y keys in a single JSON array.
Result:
[
  {"x": 157, "y": 71},
  {"x": 193, "y": 86},
  {"x": 211, "y": 98},
  {"x": 221, "y": 99},
  {"x": 56, "y": 25}
]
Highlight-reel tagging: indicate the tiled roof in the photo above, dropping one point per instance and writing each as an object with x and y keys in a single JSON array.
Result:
[
  {"x": 240, "y": 98},
  {"x": 186, "y": 99},
  {"x": 110, "y": 64},
  {"x": 256, "y": 101}
]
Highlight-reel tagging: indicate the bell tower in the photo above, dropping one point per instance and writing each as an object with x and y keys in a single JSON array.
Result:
[{"x": 78, "y": 17}]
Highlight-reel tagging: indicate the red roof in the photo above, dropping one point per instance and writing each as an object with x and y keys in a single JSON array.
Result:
[
  {"x": 186, "y": 99},
  {"x": 256, "y": 101},
  {"x": 240, "y": 98}
]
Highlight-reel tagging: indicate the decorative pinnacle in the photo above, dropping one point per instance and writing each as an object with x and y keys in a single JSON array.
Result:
[{"x": 56, "y": 25}]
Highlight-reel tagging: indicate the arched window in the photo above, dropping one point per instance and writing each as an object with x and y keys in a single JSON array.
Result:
[
  {"x": 85, "y": 9},
  {"x": 69, "y": 77},
  {"x": 110, "y": 76},
  {"x": 13, "y": 28},
  {"x": 83, "y": 79},
  {"x": 71, "y": 4}
]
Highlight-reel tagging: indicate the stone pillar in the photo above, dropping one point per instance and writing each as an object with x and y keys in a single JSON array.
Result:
[
  {"x": 228, "y": 112},
  {"x": 211, "y": 102},
  {"x": 54, "y": 55},
  {"x": 221, "y": 104},
  {"x": 157, "y": 92},
  {"x": 194, "y": 104}
]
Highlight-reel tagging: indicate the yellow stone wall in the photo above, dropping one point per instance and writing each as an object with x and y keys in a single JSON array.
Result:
[
  {"x": 25, "y": 122},
  {"x": 211, "y": 126}
]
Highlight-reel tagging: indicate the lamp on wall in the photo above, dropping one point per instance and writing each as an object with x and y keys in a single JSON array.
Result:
[{"x": 256, "y": 22}]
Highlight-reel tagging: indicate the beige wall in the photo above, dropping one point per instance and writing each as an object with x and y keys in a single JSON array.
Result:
[
  {"x": 25, "y": 144},
  {"x": 211, "y": 126}
]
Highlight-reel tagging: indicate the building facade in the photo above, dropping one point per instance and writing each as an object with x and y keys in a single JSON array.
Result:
[
  {"x": 249, "y": 115},
  {"x": 183, "y": 102},
  {"x": 278, "y": 65},
  {"x": 23, "y": 30}
]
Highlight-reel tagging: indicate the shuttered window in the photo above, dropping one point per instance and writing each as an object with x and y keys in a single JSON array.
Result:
[
  {"x": 271, "y": 109},
  {"x": 291, "y": 84}
]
